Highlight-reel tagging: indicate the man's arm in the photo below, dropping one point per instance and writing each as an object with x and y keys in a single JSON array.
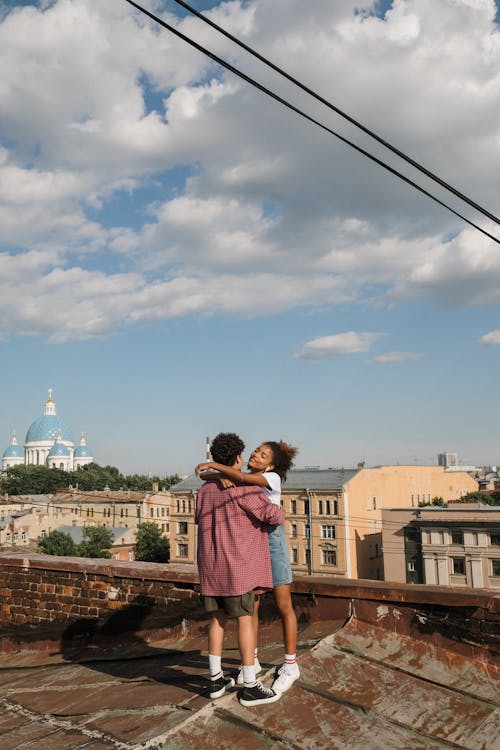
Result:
[{"x": 256, "y": 504}]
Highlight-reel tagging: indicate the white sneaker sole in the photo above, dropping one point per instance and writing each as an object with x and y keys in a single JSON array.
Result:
[
  {"x": 219, "y": 693},
  {"x": 260, "y": 701}
]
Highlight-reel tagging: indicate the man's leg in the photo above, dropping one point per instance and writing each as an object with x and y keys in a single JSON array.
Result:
[
  {"x": 218, "y": 683},
  {"x": 253, "y": 693}
]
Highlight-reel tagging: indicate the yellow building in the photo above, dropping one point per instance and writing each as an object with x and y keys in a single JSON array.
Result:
[
  {"x": 454, "y": 546},
  {"x": 333, "y": 516}
]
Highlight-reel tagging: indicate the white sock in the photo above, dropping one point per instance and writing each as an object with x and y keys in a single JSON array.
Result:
[
  {"x": 291, "y": 662},
  {"x": 249, "y": 675},
  {"x": 214, "y": 664}
]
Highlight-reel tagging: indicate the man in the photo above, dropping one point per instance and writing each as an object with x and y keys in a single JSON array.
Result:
[{"x": 234, "y": 565}]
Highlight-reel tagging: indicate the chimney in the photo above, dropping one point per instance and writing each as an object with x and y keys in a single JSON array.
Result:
[{"x": 361, "y": 464}]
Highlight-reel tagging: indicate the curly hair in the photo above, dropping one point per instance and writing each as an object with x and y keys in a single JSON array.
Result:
[
  {"x": 283, "y": 456},
  {"x": 226, "y": 447}
]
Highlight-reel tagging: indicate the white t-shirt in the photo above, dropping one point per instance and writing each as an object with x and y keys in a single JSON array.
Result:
[{"x": 274, "y": 490}]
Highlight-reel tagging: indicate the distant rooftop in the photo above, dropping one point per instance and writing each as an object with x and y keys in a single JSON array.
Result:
[{"x": 297, "y": 479}]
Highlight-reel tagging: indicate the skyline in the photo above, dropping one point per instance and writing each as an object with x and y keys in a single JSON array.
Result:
[{"x": 180, "y": 255}]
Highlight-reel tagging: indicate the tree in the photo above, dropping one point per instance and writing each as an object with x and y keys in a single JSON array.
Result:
[
  {"x": 479, "y": 497},
  {"x": 97, "y": 541},
  {"x": 151, "y": 546},
  {"x": 57, "y": 543},
  {"x": 438, "y": 501}
]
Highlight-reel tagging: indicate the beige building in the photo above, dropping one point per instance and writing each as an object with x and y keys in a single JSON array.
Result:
[
  {"x": 454, "y": 546},
  {"x": 28, "y": 518},
  {"x": 333, "y": 516}
]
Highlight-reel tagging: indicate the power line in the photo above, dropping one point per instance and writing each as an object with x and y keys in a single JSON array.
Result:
[
  {"x": 338, "y": 111},
  {"x": 309, "y": 118}
]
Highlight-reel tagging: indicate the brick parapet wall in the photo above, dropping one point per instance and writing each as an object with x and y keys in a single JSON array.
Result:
[{"x": 58, "y": 598}]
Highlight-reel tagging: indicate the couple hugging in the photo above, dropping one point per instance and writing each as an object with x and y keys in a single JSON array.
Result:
[{"x": 242, "y": 553}]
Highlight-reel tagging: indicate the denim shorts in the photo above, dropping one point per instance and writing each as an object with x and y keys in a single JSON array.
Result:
[{"x": 280, "y": 559}]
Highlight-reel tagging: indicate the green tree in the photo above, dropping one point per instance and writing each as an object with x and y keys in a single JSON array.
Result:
[
  {"x": 97, "y": 541},
  {"x": 151, "y": 546},
  {"x": 57, "y": 543},
  {"x": 438, "y": 501},
  {"x": 479, "y": 497}
]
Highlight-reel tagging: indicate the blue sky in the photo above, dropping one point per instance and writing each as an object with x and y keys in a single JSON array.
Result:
[{"x": 180, "y": 256}]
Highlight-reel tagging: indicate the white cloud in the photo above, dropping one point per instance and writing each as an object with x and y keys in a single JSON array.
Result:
[
  {"x": 270, "y": 200},
  {"x": 391, "y": 357},
  {"x": 338, "y": 345},
  {"x": 491, "y": 339}
]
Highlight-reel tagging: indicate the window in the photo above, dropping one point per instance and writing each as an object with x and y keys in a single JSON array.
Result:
[
  {"x": 495, "y": 568},
  {"x": 307, "y": 531},
  {"x": 457, "y": 537},
  {"x": 16, "y": 536},
  {"x": 306, "y": 507},
  {"x": 189, "y": 506},
  {"x": 42, "y": 534},
  {"x": 328, "y": 510},
  {"x": 307, "y": 556},
  {"x": 121, "y": 512},
  {"x": 329, "y": 557},
  {"x": 23, "y": 536},
  {"x": 182, "y": 550},
  {"x": 411, "y": 567},
  {"x": 495, "y": 538},
  {"x": 295, "y": 555},
  {"x": 183, "y": 506},
  {"x": 328, "y": 532},
  {"x": 7, "y": 536},
  {"x": 163, "y": 511},
  {"x": 293, "y": 530},
  {"x": 293, "y": 506},
  {"x": 182, "y": 527},
  {"x": 320, "y": 507},
  {"x": 458, "y": 566},
  {"x": 178, "y": 506},
  {"x": 374, "y": 503}
]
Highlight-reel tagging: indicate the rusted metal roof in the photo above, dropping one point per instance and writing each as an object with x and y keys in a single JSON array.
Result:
[{"x": 376, "y": 673}]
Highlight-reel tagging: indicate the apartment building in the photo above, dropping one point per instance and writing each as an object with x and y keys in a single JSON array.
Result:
[
  {"x": 27, "y": 518},
  {"x": 333, "y": 516},
  {"x": 454, "y": 546}
]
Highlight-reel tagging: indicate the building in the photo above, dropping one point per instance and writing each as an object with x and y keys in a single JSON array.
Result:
[
  {"x": 48, "y": 443},
  {"x": 333, "y": 516},
  {"x": 447, "y": 459},
  {"x": 123, "y": 547},
  {"x": 454, "y": 546}
]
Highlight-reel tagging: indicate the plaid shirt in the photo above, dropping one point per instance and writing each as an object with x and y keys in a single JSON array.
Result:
[{"x": 233, "y": 546}]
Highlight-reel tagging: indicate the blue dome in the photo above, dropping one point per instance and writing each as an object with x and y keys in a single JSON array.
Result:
[
  {"x": 59, "y": 450},
  {"x": 83, "y": 451},
  {"x": 48, "y": 427},
  {"x": 14, "y": 451}
]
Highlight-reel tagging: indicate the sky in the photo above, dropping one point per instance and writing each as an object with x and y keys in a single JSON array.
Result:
[{"x": 181, "y": 255}]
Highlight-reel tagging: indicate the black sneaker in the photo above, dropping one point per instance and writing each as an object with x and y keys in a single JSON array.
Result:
[
  {"x": 219, "y": 686},
  {"x": 257, "y": 695}
]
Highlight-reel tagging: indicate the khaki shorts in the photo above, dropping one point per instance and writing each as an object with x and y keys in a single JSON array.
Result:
[{"x": 232, "y": 606}]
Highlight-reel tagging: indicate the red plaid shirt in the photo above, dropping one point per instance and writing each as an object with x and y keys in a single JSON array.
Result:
[{"x": 233, "y": 546}]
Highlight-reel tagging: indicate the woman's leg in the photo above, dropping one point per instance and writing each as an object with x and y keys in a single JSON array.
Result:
[{"x": 283, "y": 599}]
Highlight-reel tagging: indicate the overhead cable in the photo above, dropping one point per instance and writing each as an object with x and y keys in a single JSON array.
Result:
[
  {"x": 303, "y": 114},
  {"x": 338, "y": 111}
]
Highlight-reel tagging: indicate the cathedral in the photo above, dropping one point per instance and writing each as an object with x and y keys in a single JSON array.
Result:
[{"x": 48, "y": 443}]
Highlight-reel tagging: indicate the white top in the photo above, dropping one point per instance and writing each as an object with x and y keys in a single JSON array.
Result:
[{"x": 274, "y": 490}]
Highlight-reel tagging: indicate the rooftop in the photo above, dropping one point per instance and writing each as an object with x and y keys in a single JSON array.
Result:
[{"x": 382, "y": 665}]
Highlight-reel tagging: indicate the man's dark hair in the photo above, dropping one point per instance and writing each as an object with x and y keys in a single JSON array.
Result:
[{"x": 226, "y": 447}]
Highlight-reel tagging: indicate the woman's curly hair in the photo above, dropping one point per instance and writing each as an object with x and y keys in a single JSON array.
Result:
[
  {"x": 226, "y": 447},
  {"x": 283, "y": 456}
]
